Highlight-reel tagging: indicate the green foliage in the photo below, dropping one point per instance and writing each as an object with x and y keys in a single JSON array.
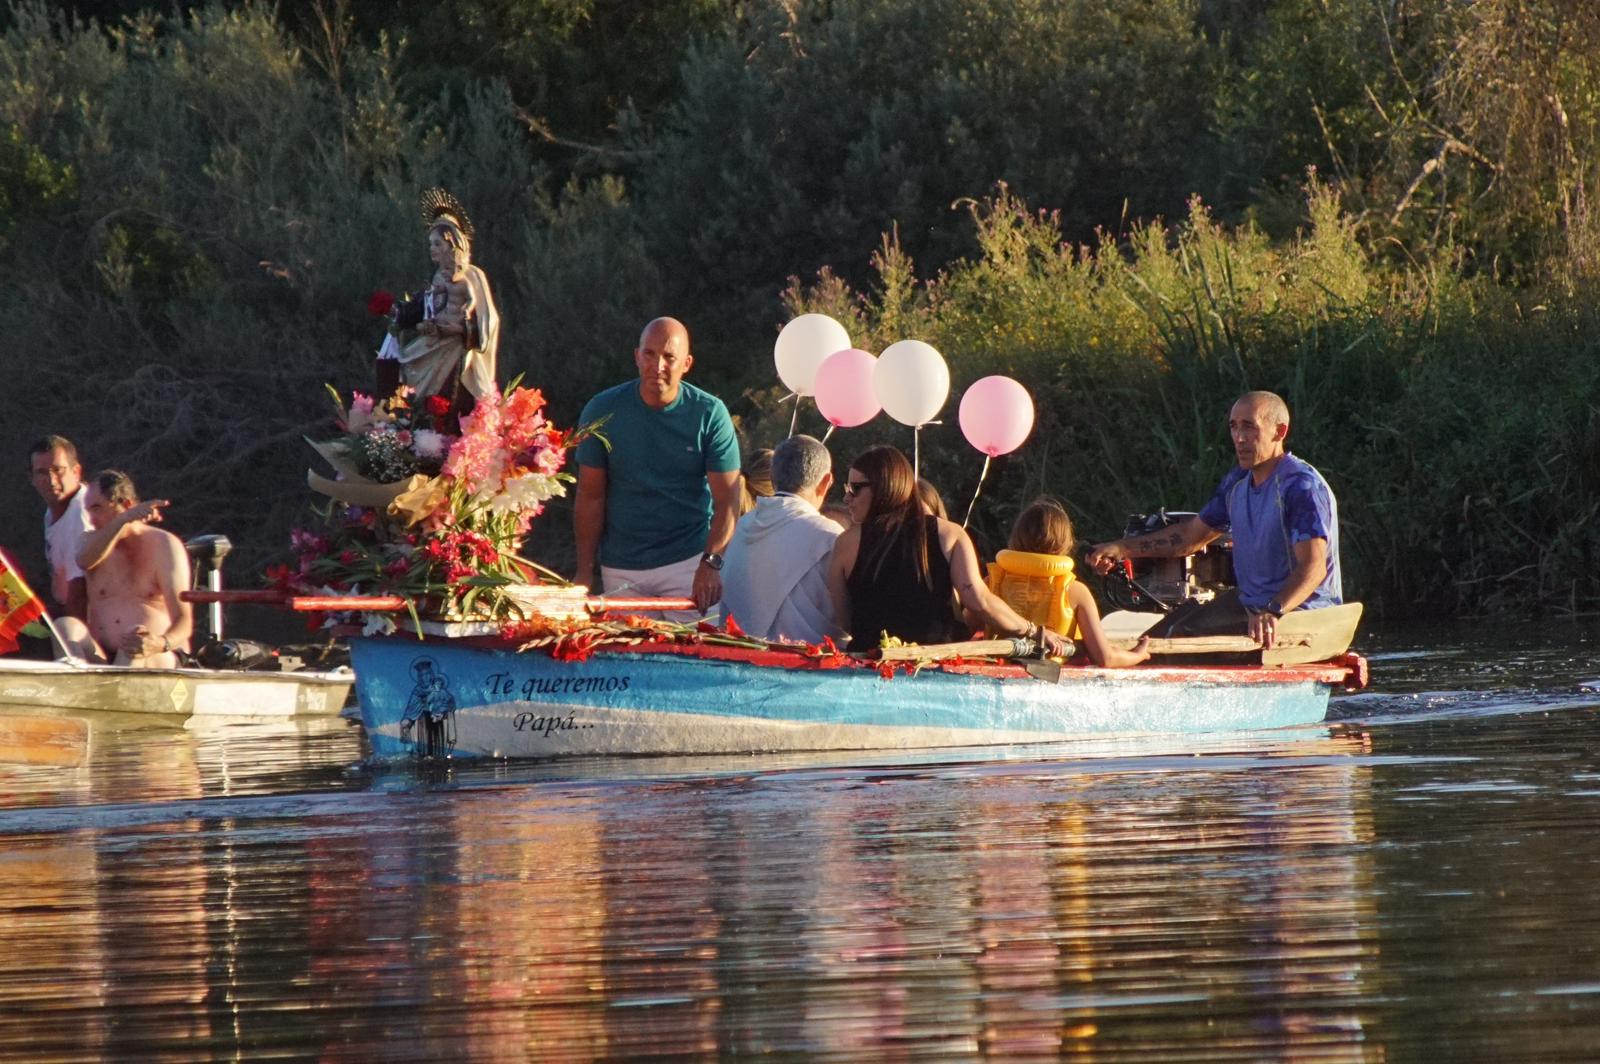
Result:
[
  {"x": 814, "y": 126},
  {"x": 1458, "y": 433},
  {"x": 31, "y": 183},
  {"x": 205, "y": 219},
  {"x": 197, "y": 198},
  {"x": 587, "y": 282}
]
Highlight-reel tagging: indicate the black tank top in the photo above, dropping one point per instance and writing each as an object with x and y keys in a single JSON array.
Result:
[{"x": 894, "y": 599}]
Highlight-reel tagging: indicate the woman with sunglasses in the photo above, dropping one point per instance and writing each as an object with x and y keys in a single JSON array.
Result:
[{"x": 893, "y": 571}]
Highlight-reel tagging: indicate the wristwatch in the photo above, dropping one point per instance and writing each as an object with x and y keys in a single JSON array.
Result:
[
  {"x": 712, "y": 559},
  {"x": 1275, "y": 608}
]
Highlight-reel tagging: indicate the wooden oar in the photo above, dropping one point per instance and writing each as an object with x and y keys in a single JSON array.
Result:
[
  {"x": 1327, "y": 632},
  {"x": 1012, "y": 648},
  {"x": 972, "y": 648},
  {"x": 383, "y": 603},
  {"x": 1303, "y": 636},
  {"x": 619, "y": 604}
]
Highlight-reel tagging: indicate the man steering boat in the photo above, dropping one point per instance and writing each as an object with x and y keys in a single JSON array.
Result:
[{"x": 1285, "y": 526}]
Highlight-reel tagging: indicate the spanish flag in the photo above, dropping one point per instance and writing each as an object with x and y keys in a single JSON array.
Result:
[{"x": 19, "y": 606}]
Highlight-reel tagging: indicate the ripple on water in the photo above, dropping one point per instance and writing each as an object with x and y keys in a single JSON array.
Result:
[{"x": 1418, "y": 880}]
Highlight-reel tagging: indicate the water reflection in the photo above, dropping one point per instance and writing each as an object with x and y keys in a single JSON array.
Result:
[{"x": 1332, "y": 894}]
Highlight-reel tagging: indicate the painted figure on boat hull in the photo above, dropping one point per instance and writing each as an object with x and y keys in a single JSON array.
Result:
[{"x": 429, "y": 717}]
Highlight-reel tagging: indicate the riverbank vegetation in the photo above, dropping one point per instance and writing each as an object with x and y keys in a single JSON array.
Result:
[{"x": 1137, "y": 209}]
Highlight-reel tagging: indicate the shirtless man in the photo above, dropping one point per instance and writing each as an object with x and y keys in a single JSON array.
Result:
[{"x": 135, "y": 574}]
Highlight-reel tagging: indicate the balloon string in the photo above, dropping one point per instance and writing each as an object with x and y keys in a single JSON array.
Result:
[
  {"x": 976, "y": 491},
  {"x": 825, "y": 435},
  {"x": 916, "y": 451},
  {"x": 795, "y": 417}
]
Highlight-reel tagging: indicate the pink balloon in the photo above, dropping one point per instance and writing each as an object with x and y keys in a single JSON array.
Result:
[
  {"x": 843, "y": 388},
  {"x": 996, "y": 415}
]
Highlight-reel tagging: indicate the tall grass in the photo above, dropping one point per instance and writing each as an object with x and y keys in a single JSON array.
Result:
[
  {"x": 1456, "y": 421},
  {"x": 192, "y": 214}
]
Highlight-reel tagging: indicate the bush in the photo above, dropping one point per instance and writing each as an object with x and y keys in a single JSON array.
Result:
[{"x": 1452, "y": 423}]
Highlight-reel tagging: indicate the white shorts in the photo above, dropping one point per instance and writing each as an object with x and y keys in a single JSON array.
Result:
[{"x": 673, "y": 580}]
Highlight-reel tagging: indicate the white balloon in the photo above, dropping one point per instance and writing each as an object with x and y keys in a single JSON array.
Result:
[
  {"x": 801, "y": 347},
  {"x": 912, "y": 382}
]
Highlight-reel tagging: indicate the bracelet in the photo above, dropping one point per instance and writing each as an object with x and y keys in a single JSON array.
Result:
[{"x": 166, "y": 645}]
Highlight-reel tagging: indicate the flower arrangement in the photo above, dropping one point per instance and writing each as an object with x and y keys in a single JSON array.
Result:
[
  {"x": 433, "y": 516},
  {"x": 391, "y": 439}
]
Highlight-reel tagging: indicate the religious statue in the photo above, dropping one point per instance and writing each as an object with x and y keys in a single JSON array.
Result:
[{"x": 449, "y": 334}]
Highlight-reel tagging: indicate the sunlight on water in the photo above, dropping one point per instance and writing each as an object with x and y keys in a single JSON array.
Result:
[{"x": 1416, "y": 880}]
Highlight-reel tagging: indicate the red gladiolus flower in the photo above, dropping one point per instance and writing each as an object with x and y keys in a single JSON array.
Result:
[
  {"x": 380, "y": 303},
  {"x": 437, "y": 406}
]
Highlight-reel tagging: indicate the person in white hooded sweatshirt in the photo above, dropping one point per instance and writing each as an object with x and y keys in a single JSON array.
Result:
[{"x": 774, "y": 576}]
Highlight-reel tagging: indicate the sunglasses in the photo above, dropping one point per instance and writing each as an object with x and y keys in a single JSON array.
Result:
[{"x": 853, "y": 487}]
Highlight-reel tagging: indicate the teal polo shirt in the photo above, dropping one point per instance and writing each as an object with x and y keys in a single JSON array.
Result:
[{"x": 658, "y": 504}]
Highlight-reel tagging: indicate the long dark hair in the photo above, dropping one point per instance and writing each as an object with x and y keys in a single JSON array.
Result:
[{"x": 895, "y": 510}]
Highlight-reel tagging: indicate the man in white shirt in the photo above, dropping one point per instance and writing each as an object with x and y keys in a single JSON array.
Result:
[
  {"x": 774, "y": 578},
  {"x": 58, "y": 478}
]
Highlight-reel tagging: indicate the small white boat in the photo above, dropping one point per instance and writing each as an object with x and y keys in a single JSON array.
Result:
[{"x": 173, "y": 692}]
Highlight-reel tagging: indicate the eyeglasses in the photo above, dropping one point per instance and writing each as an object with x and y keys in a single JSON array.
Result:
[{"x": 853, "y": 487}]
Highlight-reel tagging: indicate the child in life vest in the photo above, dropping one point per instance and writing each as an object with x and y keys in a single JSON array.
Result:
[{"x": 1034, "y": 576}]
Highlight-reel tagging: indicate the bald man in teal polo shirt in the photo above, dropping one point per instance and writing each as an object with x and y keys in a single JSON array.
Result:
[{"x": 657, "y": 507}]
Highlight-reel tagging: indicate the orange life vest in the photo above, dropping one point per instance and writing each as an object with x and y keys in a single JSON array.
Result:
[{"x": 1035, "y": 585}]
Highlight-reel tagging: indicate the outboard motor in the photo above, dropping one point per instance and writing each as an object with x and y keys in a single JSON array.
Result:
[
  {"x": 1162, "y": 583},
  {"x": 208, "y": 552},
  {"x": 216, "y": 652},
  {"x": 237, "y": 654}
]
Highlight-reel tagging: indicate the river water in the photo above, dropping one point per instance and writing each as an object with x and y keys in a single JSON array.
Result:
[{"x": 1417, "y": 879}]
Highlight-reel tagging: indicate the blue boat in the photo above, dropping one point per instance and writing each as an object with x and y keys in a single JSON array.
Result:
[{"x": 482, "y": 697}]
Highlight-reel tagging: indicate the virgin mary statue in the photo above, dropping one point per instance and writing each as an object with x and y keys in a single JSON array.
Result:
[{"x": 450, "y": 334}]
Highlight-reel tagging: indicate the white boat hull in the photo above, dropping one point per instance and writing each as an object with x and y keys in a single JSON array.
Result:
[{"x": 173, "y": 692}]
